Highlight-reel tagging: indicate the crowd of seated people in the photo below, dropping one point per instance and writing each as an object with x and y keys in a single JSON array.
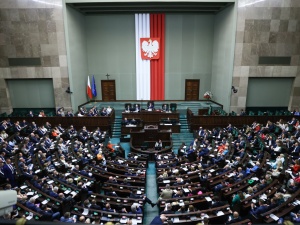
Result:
[
  {"x": 245, "y": 173},
  {"x": 150, "y": 107},
  {"x": 253, "y": 170},
  {"x": 52, "y": 174},
  {"x": 94, "y": 111}
]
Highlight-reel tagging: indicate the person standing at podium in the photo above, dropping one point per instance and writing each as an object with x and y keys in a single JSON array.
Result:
[{"x": 158, "y": 145}]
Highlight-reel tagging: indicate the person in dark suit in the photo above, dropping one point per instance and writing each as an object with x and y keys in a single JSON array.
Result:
[
  {"x": 257, "y": 211},
  {"x": 137, "y": 108},
  {"x": 234, "y": 218},
  {"x": 150, "y": 106},
  {"x": 3, "y": 126},
  {"x": 159, "y": 220},
  {"x": 165, "y": 108},
  {"x": 31, "y": 205},
  {"x": 48, "y": 214},
  {"x": 54, "y": 192},
  {"x": 9, "y": 172},
  {"x": 125, "y": 121},
  {"x": 168, "y": 209},
  {"x": 30, "y": 114},
  {"x": 2, "y": 176},
  {"x": 96, "y": 206}
]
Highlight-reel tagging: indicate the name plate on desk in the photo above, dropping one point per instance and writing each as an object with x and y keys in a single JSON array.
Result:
[
  {"x": 168, "y": 124},
  {"x": 130, "y": 125}
]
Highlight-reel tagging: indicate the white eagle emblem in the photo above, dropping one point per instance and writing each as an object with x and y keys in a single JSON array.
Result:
[{"x": 150, "y": 48}]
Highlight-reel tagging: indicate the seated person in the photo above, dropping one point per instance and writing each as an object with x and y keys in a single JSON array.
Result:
[
  {"x": 137, "y": 108},
  {"x": 127, "y": 108},
  {"x": 60, "y": 112},
  {"x": 165, "y": 107},
  {"x": 150, "y": 106},
  {"x": 133, "y": 121},
  {"x": 104, "y": 112},
  {"x": 109, "y": 110},
  {"x": 234, "y": 218},
  {"x": 125, "y": 121}
]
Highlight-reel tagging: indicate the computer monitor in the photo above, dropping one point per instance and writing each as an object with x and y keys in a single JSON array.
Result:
[
  {"x": 144, "y": 147},
  {"x": 157, "y": 148},
  {"x": 173, "y": 121}
]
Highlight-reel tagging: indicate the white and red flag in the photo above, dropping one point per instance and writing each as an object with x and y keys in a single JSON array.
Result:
[{"x": 150, "y": 56}]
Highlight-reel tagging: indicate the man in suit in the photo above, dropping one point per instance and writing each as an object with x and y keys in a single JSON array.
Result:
[
  {"x": 257, "y": 211},
  {"x": 2, "y": 176},
  {"x": 234, "y": 218},
  {"x": 9, "y": 172},
  {"x": 150, "y": 106},
  {"x": 159, "y": 220},
  {"x": 165, "y": 108},
  {"x": 54, "y": 192},
  {"x": 31, "y": 205},
  {"x": 3, "y": 126},
  {"x": 165, "y": 194}
]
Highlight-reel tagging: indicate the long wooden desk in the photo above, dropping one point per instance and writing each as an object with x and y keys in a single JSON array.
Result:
[
  {"x": 91, "y": 123},
  {"x": 151, "y": 117}
]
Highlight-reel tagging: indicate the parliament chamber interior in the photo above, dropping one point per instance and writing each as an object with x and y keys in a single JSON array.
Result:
[{"x": 149, "y": 112}]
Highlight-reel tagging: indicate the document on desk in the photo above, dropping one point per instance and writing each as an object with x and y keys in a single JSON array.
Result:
[
  {"x": 67, "y": 192},
  {"x": 208, "y": 199},
  {"x": 186, "y": 190},
  {"x": 175, "y": 219},
  {"x": 123, "y": 220},
  {"x": 85, "y": 211},
  {"x": 274, "y": 217},
  {"x": 50, "y": 182},
  {"x": 36, "y": 196},
  {"x": 220, "y": 213},
  {"x": 166, "y": 181},
  {"x": 29, "y": 217},
  {"x": 23, "y": 187},
  {"x": 193, "y": 218},
  {"x": 44, "y": 202}
]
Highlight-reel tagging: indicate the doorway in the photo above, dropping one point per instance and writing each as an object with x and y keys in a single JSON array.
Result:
[
  {"x": 108, "y": 88},
  {"x": 192, "y": 89}
]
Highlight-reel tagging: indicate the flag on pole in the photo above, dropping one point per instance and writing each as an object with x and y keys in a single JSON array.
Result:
[
  {"x": 94, "y": 89},
  {"x": 88, "y": 89}
]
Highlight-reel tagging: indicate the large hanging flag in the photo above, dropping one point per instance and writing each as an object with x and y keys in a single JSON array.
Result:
[
  {"x": 150, "y": 56},
  {"x": 94, "y": 89},
  {"x": 88, "y": 89}
]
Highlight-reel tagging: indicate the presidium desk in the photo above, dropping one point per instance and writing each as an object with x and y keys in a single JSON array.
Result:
[{"x": 156, "y": 117}]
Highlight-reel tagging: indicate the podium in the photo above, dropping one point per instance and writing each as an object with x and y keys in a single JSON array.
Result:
[{"x": 143, "y": 141}]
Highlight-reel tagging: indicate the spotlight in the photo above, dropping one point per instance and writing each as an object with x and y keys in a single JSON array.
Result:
[
  {"x": 234, "y": 90},
  {"x": 69, "y": 91}
]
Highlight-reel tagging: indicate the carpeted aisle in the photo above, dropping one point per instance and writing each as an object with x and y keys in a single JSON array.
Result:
[
  {"x": 151, "y": 185},
  {"x": 151, "y": 192}
]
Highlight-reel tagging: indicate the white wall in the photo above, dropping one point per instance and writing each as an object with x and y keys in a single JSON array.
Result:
[
  {"x": 77, "y": 56},
  {"x": 223, "y": 56}
]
